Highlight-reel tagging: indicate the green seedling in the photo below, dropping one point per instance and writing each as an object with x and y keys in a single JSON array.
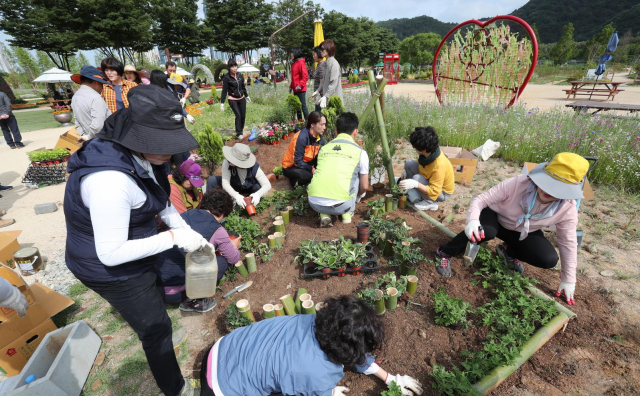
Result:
[
  {"x": 234, "y": 319},
  {"x": 450, "y": 311},
  {"x": 393, "y": 390}
]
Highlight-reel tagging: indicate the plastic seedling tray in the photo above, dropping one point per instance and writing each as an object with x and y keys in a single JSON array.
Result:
[{"x": 369, "y": 266}]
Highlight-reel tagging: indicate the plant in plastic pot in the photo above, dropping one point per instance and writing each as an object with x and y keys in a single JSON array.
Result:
[
  {"x": 328, "y": 258},
  {"x": 307, "y": 252},
  {"x": 352, "y": 254}
]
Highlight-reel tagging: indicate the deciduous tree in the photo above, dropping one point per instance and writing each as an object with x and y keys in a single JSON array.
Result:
[{"x": 564, "y": 49}]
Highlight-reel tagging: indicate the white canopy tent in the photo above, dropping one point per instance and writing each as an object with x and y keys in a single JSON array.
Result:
[
  {"x": 248, "y": 68},
  {"x": 182, "y": 72},
  {"x": 54, "y": 76}
]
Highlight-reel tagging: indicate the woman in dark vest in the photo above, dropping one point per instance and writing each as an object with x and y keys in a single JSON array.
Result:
[
  {"x": 241, "y": 175},
  {"x": 116, "y": 189},
  {"x": 207, "y": 220}
]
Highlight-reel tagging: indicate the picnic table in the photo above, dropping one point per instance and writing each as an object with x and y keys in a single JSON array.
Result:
[
  {"x": 594, "y": 88},
  {"x": 585, "y": 105},
  {"x": 54, "y": 104}
]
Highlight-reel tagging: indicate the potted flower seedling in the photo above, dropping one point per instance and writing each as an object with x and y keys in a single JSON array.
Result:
[
  {"x": 408, "y": 257},
  {"x": 352, "y": 254},
  {"x": 308, "y": 252},
  {"x": 327, "y": 259},
  {"x": 401, "y": 195}
]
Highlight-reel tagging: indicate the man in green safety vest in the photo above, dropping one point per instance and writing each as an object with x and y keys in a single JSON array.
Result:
[{"x": 342, "y": 174}]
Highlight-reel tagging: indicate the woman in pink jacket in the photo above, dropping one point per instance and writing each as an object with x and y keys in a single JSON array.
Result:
[{"x": 517, "y": 209}]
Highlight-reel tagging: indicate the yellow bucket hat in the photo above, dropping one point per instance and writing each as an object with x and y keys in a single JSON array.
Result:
[{"x": 563, "y": 177}]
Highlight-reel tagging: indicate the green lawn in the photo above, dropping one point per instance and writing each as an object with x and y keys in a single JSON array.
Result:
[{"x": 34, "y": 120}]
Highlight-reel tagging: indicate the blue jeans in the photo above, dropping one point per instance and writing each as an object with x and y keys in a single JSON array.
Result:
[
  {"x": 412, "y": 171},
  {"x": 341, "y": 208},
  {"x": 10, "y": 126},
  {"x": 303, "y": 99}
]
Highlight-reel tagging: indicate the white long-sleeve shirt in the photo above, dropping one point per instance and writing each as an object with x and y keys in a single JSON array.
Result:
[
  {"x": 110, "y": 196},
  {"x": 265, "y": 185}
]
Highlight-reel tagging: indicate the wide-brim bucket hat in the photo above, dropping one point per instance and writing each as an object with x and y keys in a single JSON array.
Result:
[
  {"x": 130, "y": 68},
  {"x": 239, "y": 155},
  {"x": 90, "y": 72},
  {"x": 562, "y": 177},
  {"x": 152, "y": 124}
]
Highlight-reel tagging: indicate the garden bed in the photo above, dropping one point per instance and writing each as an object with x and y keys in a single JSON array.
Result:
[{"x": 414, "y": 343}]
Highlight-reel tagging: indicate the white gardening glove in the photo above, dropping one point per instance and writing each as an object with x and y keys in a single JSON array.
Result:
[
  {"x": 323, "y": 102},
  {"x": 298, "y": 88},
  {"x": 187, "y": 239},
  {"x": 183, "y": 101},
  {"x": 221, "y": 106},
  {"x": 255, "y": 199},
  {"x": 567, "y": 288},
  {"x": 248, "y": 99},
  {"x": 408, "y": 385},
  {"x": 315, "y": 94},
  {"x": 340, "y": 391},
  {"x": 190, "y": 119},
  {"x": 16, "y": 301},
  {"x": 472, "y": 232},
  {"x": 240, "y": 201},
  {"x": 408, "y": 184}
]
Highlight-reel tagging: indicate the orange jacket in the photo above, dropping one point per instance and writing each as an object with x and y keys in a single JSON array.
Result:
[{"x": 302, "y": 150}]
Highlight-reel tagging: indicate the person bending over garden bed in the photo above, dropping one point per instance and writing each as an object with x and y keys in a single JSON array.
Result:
[
  {"x": 300, "y": 159},
  {"x": 299, "y": 354},
  {"x": 430, "y": 179},
  {"x": 517, "y": 209},
  {"x": 207, "y": 221},
  {"x": 184, "y": 182},
  {"x": 241, "y": 175},
  {"x": 342, "y": 174}
]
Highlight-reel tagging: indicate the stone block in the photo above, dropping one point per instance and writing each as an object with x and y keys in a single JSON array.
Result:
[{"x": 49, "y": 207}]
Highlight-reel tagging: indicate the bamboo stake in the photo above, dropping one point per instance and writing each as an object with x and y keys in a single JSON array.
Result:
[
  {"x": 308, "y": 307},
  {"x": 386, "y": 156},
  {"x": 374, "y": 98},
  {"x": 268, "y": 311},
  {"x": 288, "y": 304},
  {"x": 279, "y": 310},
  {"x": 245, "y": 309},
  {"x": 540, "y": 337},
  {"x": 241, "y": 269},
  {"x": 251, "y": 262},
  {"x": 301, "y": 292}
]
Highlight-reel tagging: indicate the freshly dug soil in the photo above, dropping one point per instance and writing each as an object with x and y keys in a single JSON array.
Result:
[{"x": 585, "y": 353}]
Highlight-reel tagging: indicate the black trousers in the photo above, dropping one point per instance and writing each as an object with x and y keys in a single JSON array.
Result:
[
  {"x": 239, "y": 108},
  {"x": 140, "y": 302},
  {"x": 303, "y": 99},
  {"x": 296, "y": 175},
  {"x": 216, "y": 181},
  {"x": 10, "y": 126},
  {"x": 535, "y": 249}
]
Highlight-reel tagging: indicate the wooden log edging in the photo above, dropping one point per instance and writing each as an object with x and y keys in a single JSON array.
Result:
[{"x": 496, "y": 376}]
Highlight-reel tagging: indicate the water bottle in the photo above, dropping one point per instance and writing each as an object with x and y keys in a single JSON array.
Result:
[
  {"x": 254, "y": 133},
  {"x": 201, "y": 273}
]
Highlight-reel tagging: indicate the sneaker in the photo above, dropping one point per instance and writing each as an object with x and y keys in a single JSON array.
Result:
[
  {"x": 200, "y": 305},
  {"x": 426, "y": 205},
  {"x": 191, "y": 387},
  {"x": 4, "y": 188},
  {"x": 346, "y": 218},
  {"x": 325, "y": 221},
  {"x": 12, "y": 146},
  {"x": 443, "y": 266},
  {"x": 510, "y": 263},
  {"x": 6, "y": 222},
  {"x": 178, "y": 337},
  {"x": 3, "y": 212},
  {"x": 19, "y": 145}
]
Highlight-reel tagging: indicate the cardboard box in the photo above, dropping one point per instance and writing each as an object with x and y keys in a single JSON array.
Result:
[
  {"x": 587, "y": 191},
  {"x": 70, "y": 140},
  {"x": 8, "y": 246},
  {"x": 21, "y": 336},
  {"x": 464, "y": 163}
]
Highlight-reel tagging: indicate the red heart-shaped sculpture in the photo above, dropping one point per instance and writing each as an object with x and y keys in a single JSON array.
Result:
[{"x": 479, "y": 62}]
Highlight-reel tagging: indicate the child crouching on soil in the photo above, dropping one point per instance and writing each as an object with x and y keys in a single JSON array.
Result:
[
  {"x": 216, "y": 204},
  {"x": 430, "y": 179}
]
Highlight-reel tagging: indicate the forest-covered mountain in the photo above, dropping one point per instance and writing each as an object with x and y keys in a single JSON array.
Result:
[{"x": 588, "y": 18}]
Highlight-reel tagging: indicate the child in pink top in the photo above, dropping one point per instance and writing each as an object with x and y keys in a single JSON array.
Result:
[{"x": 517, "y": 209}]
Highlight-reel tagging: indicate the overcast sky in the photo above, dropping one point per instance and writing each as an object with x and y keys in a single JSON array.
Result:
[{"x": 446, "y": 11}]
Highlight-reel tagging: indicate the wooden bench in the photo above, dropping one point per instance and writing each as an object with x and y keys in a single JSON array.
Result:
[
  {"x": 592, "y": 92},
  {"x": 585, "y": 105}
]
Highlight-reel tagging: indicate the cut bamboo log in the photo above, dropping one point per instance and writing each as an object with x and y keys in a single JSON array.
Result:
[
  {"x": 308, "y": 307},
  {"x": 242, "y": 270},
  {"x": 279, "y": 308},
  {"x": 245, "y": 309},
  {"x": 388, "y": 203},
  {"x": 299, "y": 294},
  {"x": 272, "y": 241},
  {"x": 268, "y": 311},
  {"x": 288, "y": 304},
  {"x": 391, "y": 300},
  {"x": 278, "y": 236},
  {"x": 285, "y": 216},
  {"x": 278, "y": 226},
  {"x": 412, "y": 284},
  {"x": 251, "y": 262},
  {"x": 379, "y": 304}
]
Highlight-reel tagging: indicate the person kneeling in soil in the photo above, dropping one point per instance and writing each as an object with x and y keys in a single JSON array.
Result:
[
  {"x": 184, "y": 181},
  {"x": 517, "y": 209},
  {"x": 299, "y": 161},
  {"x": 207, "y": 220},
  {"x": 241, "y": 175},
  {"x": 430, "y": 179},
  {"x": 342, "y": 174},
  {"x": 299, "y": 354}
]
